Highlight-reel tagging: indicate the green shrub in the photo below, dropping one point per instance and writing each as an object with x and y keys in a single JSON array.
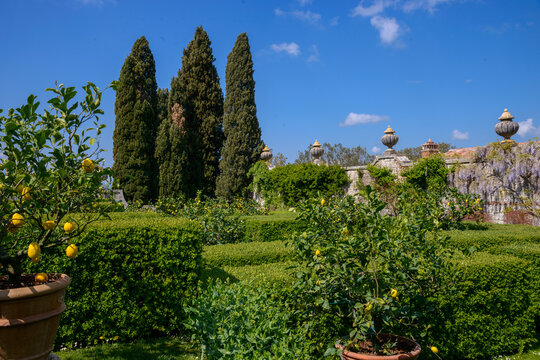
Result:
[
  {"x": 239, "y": 322},
  {"x": 271, "y": 228},
  {"x": 490, "y": 313},
  {"x": 293, "y": 183},
  {"x": 129, "y": 280},
  {"x": 428, "y": 172},
  {"x": 530, "y": 252},
  {"x": 273, "y": 275},
  {"x": 252, "y": 253},
  {"x": 383, "y": 176},
  {"x": 493, "y": 235}
]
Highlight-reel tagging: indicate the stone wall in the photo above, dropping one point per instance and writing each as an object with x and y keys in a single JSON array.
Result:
[{"x": 508, "y": 181}]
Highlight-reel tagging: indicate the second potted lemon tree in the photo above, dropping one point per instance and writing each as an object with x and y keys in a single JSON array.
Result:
[
  {"x": 376, "y": 274},
  {"x": 49, "y": 184}
]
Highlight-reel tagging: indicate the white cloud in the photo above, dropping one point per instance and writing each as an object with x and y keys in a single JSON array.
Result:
[
  {"x": 458, "y": 135},
  {"x": 428, "y": 5},
  {"x": 307, "y": 15},
  {"x": 376, "y": 8},
  {"x": 304, "y": 2},
  {"x": 375, "y": 149},
  {"x": 290, "y": 48},
  {"x": 315, "y": 54},
  {"x": 468, "y": 81},
  {"x": 388, "y": 28},
  {"x": 334, "y": 21},
  {"x": 355, "y": 119},
  {"x": 527, "y": 128}
]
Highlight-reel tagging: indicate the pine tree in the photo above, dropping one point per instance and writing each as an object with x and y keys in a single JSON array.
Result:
[
  {"x": 243, "y": 145},
  {"x": 201, "y": 98},
  {"x": 136, "y": 124}
]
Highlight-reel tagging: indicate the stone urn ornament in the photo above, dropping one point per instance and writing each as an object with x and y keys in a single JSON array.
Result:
[
  {"x": 316, "y": 152},
  {"x": 506, "y": 127},
  {"x": 389, "y": 140},
  {"x": 266, "y": 156}
]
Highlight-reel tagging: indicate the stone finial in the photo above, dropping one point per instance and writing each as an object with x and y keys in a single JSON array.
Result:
[
  {"x": 266, "y": 155},
  {"x": 316, "y": 152},
  {"x": 389, "y": 140},
  {"x": 506, "y": 127},
  {"x": 429, "y": 148}
]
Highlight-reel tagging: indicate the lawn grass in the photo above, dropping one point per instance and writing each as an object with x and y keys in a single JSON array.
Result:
[{"x": 161, "y": 349}]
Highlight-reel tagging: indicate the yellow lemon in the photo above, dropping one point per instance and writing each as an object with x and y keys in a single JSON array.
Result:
[
  {"x": 26, "y": 194},
  {"x": 34, "y": 251},
  {"x": 393, "y": 293},
  {"x": 434, "y": 349},
  {"x": 49, "y": 225},
  {"x": 42, "y": 278},
  {"x": 318, "y": 282},
  {"x": 323, "y": 202},
  {"x": 36, "y": 259},
  {"x": 317, "y": 252},
  {"x": 368, "y": 308},
  {"x": 17, "y": 220},
  {"x": 72, "y": 251},
  {"x": 69, "y": 227},
  {"x": 88, "y": 165}
]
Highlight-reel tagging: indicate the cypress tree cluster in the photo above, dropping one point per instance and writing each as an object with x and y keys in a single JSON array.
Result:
[
  {"x": 136, "y": 124},
  {"x": 243, "y": 144},
  {"x": 169, "y": 143}
]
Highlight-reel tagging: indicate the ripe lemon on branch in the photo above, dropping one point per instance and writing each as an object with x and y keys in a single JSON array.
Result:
[
  {"x": 34, "y": 250},
  {"x": 17, "y": 220},
  {"x": 49, "y": 225},
  {"x": 69, "y": 227},
  {"x": 72, "y": 251},
  {"x": 88, "y": 165}
]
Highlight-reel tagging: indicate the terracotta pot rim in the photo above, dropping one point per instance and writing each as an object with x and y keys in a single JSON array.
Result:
[
  {"x": 410, "y": 355},
  {"x": 36, "y": 290}
]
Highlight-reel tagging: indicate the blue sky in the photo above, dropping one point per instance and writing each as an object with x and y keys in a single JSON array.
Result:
[{"x": 336, "y": 71}]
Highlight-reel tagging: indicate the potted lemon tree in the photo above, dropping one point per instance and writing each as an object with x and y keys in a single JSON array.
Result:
[
  {"x": 374, "y": 274},
  {"x": 49, "y": 185}
]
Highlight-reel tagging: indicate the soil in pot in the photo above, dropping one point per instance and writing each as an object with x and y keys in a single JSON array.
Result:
[
  {"x": 26, "y": 280},
  {"x": 391, "y": 347}
]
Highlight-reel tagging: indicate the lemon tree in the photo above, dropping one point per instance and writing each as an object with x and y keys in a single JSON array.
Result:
[{"x": 50, "y": 176}]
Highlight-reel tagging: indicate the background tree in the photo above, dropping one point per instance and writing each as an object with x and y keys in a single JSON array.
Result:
[
  {"x": 162, "y": 105},
  {"x": 279, "y": 159},
  {"x": 338, "y": 154},
  {"x": 202, "y": 101},
  {"x": 136, "y": 124},
  {"x": 242, "y": 145}
]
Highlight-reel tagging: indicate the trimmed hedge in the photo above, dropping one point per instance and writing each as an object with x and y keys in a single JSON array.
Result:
[
  {"x": 493, "y": 235},
  {"x": 253, "y": 253},
  {"x": 131, "y": 279},
  {"x": 261, "y": 228},
  {"x": 274, "y": 275},
  {"x": 491, "y": 313},
  {"x": 530, "y": 252}
]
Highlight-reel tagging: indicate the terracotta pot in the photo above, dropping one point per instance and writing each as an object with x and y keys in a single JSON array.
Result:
[
  {"x": 29, "y": 318},
  {"x": 349, "y": 355}
]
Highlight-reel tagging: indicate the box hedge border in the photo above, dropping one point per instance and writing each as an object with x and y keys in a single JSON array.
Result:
[{"x": 130, "y": 281}]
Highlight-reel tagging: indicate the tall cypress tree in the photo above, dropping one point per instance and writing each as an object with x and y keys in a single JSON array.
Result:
[
  {"x": 243, "y": 145},
  {"x": 175, "y": 141},
  {"x": 136, "y": 124},
  {"x": 162, "y": 105},
  {"x": 202, "y": 101}
]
